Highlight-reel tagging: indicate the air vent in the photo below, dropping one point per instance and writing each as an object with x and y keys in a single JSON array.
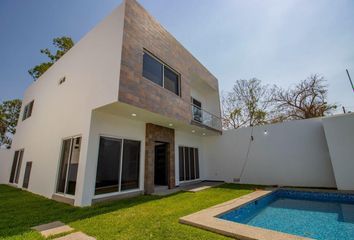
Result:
[{"x": 62, "y": 80}]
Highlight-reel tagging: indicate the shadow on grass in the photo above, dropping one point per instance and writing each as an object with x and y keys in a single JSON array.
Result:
[{"x": 20, "y": 210}]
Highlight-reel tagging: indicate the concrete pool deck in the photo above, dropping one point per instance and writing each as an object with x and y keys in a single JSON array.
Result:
[{"x": 207, "y": 219}]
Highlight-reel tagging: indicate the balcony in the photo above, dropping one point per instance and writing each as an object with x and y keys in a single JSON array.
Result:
[{"x": 205, "y": 118}]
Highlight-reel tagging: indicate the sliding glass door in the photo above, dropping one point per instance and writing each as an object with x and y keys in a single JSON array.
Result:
[
  {"x": 108, "y": 166},
  {"x": 188, "y": 163},
  {"x": 118, "y": 165},
  {"x": 68, "y": 167},
  {"x": 130, "y": 165}
]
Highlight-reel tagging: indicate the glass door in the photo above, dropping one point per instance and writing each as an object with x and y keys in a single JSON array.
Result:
[{"x": 68, "y": 168}]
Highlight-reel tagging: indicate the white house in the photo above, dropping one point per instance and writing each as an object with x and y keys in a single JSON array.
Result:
[
  {"x": 128, "y": 108},
  {"x": 114, "y": 114}
]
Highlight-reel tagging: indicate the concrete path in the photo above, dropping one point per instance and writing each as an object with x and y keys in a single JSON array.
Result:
[
  {"x": 76, "y": 236},
  {"x": 201, "y": 186},
  {"x": 192, "y": 187},
  {"x": 52, "y": 228},
  {"x": 57, "y": 227}
]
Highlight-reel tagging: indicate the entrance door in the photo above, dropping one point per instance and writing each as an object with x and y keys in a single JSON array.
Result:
[{"x": 161, "y": 163}]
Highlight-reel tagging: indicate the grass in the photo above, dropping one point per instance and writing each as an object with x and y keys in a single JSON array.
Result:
[{"x": 143, "y": 217}]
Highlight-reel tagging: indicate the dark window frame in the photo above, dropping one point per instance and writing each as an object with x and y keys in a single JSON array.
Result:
[
  {"x": 164, "y": 66},
  {"x": 27, "y": 111},
  {"x": 197, "y": 112},
  {"x": 119, "y": 189},
  {"x": 133, "y": 168},
  {"x": 27, "y": 175},
  {"x": 16, "y": 166},
  {"x": 111, "y": 186},
  {"x": 187, "y": 154},
  {"x": 65, "y": 168}
]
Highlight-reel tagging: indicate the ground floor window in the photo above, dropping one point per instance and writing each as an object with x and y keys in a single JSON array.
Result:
[
  {"x": 69, "y": 163},
  {"x": 188, "y": 163},
  {"x": 118, "y": 165},
  {"x": 27, "y": 175},
  {"x": 16, "y": 166}
]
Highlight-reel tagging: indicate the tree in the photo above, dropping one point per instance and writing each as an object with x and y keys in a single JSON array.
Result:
[
  {"x": 247, "y": 104},
  {"x": 63, "y": 44},
  {"x": 308, "y": 99},
  {"x": 9, "y": 113}
]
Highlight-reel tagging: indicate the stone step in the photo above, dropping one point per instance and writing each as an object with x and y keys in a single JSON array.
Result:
[{"x": 52, "y": 228}]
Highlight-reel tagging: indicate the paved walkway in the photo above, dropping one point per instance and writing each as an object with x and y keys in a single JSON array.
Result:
[
  {"x": 55, "y": 228},
  {"x": 76, "y": 236},
  {"x": 193, "y": 187},
  {"x": 201, "y": 186},
  {"x": 52, "y": 228}
]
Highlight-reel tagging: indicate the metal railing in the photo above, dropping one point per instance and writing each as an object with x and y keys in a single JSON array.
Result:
[{"x": 206, "y": 118}]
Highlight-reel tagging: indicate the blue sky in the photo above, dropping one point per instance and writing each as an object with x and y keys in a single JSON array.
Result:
[{"x": 278, "y": 41}]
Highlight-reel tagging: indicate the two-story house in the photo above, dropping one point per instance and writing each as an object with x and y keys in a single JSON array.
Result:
[{"x": 123, "y": 112}]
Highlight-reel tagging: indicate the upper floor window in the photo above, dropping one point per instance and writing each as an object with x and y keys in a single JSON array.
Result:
[
  {"x": 27, "y": 112},
  {"x": 159, "y": 73}
]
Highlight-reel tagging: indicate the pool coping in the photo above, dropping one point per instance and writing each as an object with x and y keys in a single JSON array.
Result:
[{"x": 207, "y": 219}]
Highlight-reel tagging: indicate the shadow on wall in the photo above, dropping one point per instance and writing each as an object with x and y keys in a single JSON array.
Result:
[{"x": 289, "y": 154}]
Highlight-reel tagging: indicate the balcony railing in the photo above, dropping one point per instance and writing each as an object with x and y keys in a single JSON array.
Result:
[{"x": 206, "y": 118}]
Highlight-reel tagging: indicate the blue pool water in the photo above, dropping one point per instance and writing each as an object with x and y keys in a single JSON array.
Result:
[{"x": 310, "y": 214}]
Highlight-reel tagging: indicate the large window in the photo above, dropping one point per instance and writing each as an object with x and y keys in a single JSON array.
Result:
[
  {"x": 27, "y": 111},
  {"x": 108, "y": 166},
  {"x": 16, "y": 166},
  {"x": 188, "y": 163},
  {"x": 171, "y": 80},
  {"x": 69, "y": 164},
  {"x": 118, "y": 165},
  {"x": 159, "y": 73},
  {"x": 152, "y": 69}
]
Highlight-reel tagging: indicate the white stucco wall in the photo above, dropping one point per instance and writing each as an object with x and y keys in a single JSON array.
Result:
[
  {"x": 291, "y": 154},
  {"x": 104, "y": 124},
  {"x": 92, "y": 69},
  {"x": 209, "y": 100},
  {"x": 339, "y": 132},
  {"x": 225, "y": 154},
  {"x": 6, "y": 156}
]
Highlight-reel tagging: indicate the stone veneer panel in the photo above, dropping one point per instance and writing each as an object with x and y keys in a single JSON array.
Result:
[
  {"x": 155, "y": 133},
  {"x": 141, "y": 31}
]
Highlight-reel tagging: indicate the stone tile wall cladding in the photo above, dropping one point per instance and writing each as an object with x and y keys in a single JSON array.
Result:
[
  {"x": 142, "y": 31},
  {"x": 155, "y": 133}
]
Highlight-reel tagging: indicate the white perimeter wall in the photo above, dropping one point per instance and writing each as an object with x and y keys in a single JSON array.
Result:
[
  {"x": 92, "y": 69},
  {"x": 340, "y": 138},
  {"x": 291, "y": 154},
  {"x": 5, "y": 165}
]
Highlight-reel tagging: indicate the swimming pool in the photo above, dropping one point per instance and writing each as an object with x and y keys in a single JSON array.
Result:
[{"x": 318, "y": 215}]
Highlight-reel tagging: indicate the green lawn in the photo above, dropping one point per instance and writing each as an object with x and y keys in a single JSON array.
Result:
[{"x": 144, "y": 217}]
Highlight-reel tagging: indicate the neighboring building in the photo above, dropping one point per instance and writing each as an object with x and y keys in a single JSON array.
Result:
[{"x": 123, "y": 111}]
